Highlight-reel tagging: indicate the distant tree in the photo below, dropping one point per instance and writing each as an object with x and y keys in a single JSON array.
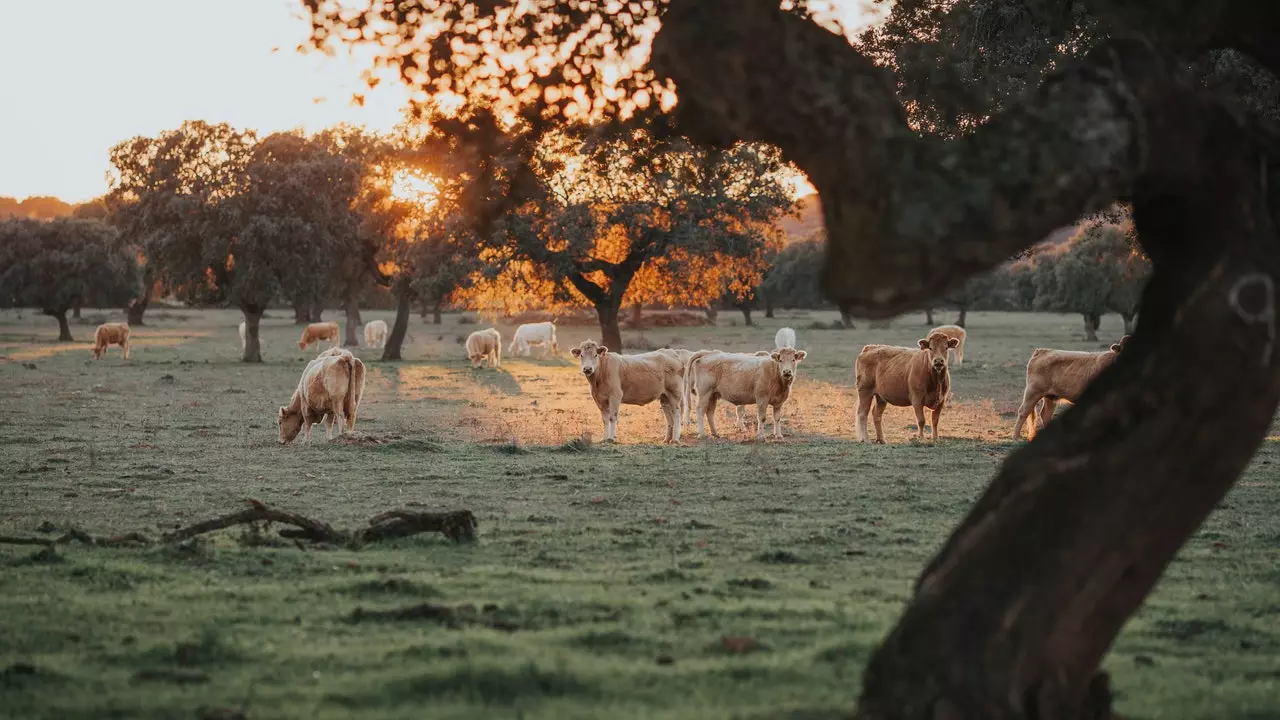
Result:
[
  {"x": 1098, "y": 270},
  {"x": 792, "y": 279},
  {"x": 56, "y": 265}
]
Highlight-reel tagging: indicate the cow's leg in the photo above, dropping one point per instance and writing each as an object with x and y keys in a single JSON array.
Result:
[
  {"x": 669, "y": 415},
  {"x": 937, "y": 413},
  {"x": 1029, "y": 399},
  {"x": 777, "y": 420},
  {"x": 704, "y": 405},
  {"x": 711, "y": 413},
  {"x": 864, "y": 405},
  {"x": 306, "y": 431},
  {"x": 328, "y": 426},
  {"x": 614, "y": 405},
  {"x": 125, "y": 345},
  {"x": 878, "y": 416},
  {"x": 676, "y": 399},
  {"x": 918, "y": 407}
]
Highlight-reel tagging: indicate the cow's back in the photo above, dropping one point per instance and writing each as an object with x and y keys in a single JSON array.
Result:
[
  {"x": 643, "y": 377},
  {"x": 886, "y": 370},
  {"x": 1065, "y": 373},
  {"x": 737, "y": 377}
]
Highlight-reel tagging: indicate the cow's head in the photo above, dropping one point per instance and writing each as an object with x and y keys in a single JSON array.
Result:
[
  {"x": 589, "y": 354},
  {"x": 476, "y": 359},
  {"x": 1120, "y": 345},
  {"x": 290, "y": 423},
  {"x": 937, "y": 345},
  {"x": 787, "y": 359},
  {"x": 98, "y": 350}
]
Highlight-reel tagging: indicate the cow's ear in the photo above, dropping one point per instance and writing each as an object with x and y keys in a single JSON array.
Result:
[
  {"x": 280, "y": 416},
  {"x": 924, "y": 344},
  {"x": 800, "y": 355},
  {"x": 1123, "y": 340},
  {"x": 775, "y": 356},
  {"x": 602, "y": 350},
  {"x": 1116, "y": 348},
  {"x": 576, "y": 352},
  {"x": 952, "y": 342}
]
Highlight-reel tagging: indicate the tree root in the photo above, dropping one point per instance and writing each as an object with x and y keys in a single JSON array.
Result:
[{"x": 457, "y": 525}]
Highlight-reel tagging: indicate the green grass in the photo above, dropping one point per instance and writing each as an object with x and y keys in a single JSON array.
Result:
[{"x": 604, "y": 577}]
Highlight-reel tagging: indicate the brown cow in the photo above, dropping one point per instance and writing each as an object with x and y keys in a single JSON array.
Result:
[
  {"x": 634, "y": 380},
  {"x": 955, "y": 356},
  {"x": 743, "y": 379},
  {"x": 1054, "y": 375},
  {"x": 109, "y": 334},
  {"x": 330, "y": 390},
  {"x": 314, "y": 333},
  {"x": 902, "y": 376}
]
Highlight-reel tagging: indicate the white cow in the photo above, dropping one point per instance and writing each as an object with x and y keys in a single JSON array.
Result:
[
  {"x": 375, "y": 334},
  {"x": 786, "y": 337},
  {"x": 543, "y": 333}
]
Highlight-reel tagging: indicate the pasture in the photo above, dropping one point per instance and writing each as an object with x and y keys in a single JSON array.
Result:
[{"x": 720, "y": 579}]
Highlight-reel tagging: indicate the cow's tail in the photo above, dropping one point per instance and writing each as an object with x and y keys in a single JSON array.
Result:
[
  {"x": 689, "y": 369},
  {"x": 355, "y": 389}
]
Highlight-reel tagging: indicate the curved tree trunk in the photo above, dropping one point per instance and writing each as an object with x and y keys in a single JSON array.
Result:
[
  {"x": 1012, "y": 618},
  {"x": 610, "y": 333},
  {"x": 928, "y": 317},
  {"x": 964, "y": 314},
  {"x": 64, "y": 329},
  {"x": 352, "y": 310},
  {"x": 1090, "y": 328},
  {"x": 252, "y": 342},
  {"x": 75, "y": 312},
  {"x": 399, "y": 328}
]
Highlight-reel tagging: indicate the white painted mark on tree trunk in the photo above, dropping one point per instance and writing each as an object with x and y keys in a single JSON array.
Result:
[{"x": 1265, "y": 315}]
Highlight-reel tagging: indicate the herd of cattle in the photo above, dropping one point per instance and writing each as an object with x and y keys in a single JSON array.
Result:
[{"x": 919, "y": 377}]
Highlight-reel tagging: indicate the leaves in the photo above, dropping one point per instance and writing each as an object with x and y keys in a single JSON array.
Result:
[{"x": 58, "y": 264}]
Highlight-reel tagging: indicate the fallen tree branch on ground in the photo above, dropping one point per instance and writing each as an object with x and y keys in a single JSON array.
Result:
[{"x": 457, "y": 525}]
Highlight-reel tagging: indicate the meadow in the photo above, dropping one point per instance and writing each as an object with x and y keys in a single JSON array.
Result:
[{"x": 718, "y": 579}]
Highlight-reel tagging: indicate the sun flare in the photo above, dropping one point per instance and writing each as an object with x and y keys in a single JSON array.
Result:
[{"x": 414, "y": 187}]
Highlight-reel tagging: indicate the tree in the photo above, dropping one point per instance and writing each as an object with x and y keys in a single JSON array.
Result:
[
  {"x": 1096, "y": 271},
  {"x": 792, "y": 280},
  {"x": 58, "y": 264},
  {"x": 1013, "y": 616},
  {"x": 688, "y": 224}
]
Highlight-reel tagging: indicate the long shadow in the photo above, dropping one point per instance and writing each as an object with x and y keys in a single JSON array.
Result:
[{"x": 496, "y": 378}]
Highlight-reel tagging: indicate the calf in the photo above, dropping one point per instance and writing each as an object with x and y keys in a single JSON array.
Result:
[
  {"x": 634, "y": 380},
  {"x": 375, "y": 334},
  {"x": 543, "y": 334},
  {"x": 1054, "y": 375},
  {"x": 314, "y": 333},
  {"x": 330, "y": 390},
  {"x": 955, "y": 356},
  {"x": 741, "y": 379},
  {"x": 109, "y": 334},
  {"x": 785, "y": 337},
  {"x": 903, "y": 376},
  {"x": 485, "y": 345}
]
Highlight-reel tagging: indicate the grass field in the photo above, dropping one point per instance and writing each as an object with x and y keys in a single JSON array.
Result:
[{"x": 605, "y": 578}]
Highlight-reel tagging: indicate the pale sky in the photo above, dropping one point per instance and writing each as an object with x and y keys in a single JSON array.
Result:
[{"x": 78, "y": 76}]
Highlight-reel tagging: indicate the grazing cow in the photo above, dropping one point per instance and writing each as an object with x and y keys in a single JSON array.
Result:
[
  {"x": 485, "y": 345},
  {"x": 955, "y": 356},
  {"x": 785, "y": 337},
  {"x": 243, "y": 337},
  {"x": 330, "y": 390},
  {"x": 902, "y": 376},
  {"x": 762, "y": 380},
  {"x": 634, "y": 380},
  {"x": 543, "y": 334},
  {"x": 375, "y": 334},
  {"x": 109, "y": 334},
  {"x": 1054, "y": 375},
  {"x": 317, "y": 332}
]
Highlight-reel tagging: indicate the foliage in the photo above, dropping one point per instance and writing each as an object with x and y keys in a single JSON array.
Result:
[
  {"x": 1098, "y": 270},
  {"x": 58, "y": 264},
  {"x": 792, "y": 280}
]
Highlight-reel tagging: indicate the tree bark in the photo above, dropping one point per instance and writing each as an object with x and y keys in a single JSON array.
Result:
[
  {"x": 846, "y": 318},
  {"x": 1012, "y": 618},
  {"x": 746, "y": 315},
  {"x": 404, "y": 307},
  {"x": 137, "y": 306},
  {"x": 964, "y": 314},
  {"x": 64, "y": 329},
  {"x": 437, "y": 317},
  {"x": 928, "y": 317},
  {"x": 610, "y": 333},
  {"x": 317, "y": 311},
  {"x": 252, "y": 341},
  {"x": 352, "y": 310},
  {"x": 713, "y": 313},
  {"x": 1128, "y": 322},
  {"x": 637, "y": 316},
  {"x": 75, "y": 312},
  {"x": 1090, "y": 328},
  {"x": 768, "y": 307},
  {"x": 301, "y": 313}
]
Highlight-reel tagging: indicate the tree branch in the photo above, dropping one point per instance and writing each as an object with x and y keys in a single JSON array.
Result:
[{"x": 909, "y": 218}]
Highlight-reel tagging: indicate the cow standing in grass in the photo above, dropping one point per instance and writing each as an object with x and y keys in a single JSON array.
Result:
[
  {"x": 640, "y": 379},
  {"x": 329, "y": 390},
  {"x": 542, "y": 334},
  {"x": 315, "y": 333},
  {"x": 1054, "y": 375},
  {"x": 762, "y": 379},
  {"x": 955, "y": 356},
  {"x": 903, "y": 376},
  {"x": 109, "y": 334},
  {"x": 375, "y": 334},
  {"x": 485, "y": 345}
]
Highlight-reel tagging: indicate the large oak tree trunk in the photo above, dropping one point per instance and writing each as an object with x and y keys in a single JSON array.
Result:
[
  {"x": 1091, "y": 327},
  {"x": 437, "y": 316},
  {"x": 846, "y": 318},
  {"x": 75, "y": 313},
  {"x": 928, "y": 317},
  {"x": 746, "y": 314},
  {"x": 610, "y": 333},
  {"x": 768, "y": 307},
  {"x": 399, "y": 328},
  {"x": 964, "y": 315},
  {"x": 1012, "y": 618},
  {"x": 352, "y": 311},
  {"x": 637, "y": 316},
  {"x": 317, "y": 312},
  {"x": 137, "y": 306},
  {"x": 64, "y": 329},
  {"x": 252, "y": 342},
  {"x": 301, "y": 313}
]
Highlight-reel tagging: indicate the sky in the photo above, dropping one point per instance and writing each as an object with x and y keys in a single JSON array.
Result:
[{"x": 80, "y": 76}]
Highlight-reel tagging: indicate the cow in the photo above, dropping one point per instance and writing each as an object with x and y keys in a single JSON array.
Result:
[
  {"x": 375, "y": 334},
  {"x": 1054, "y": 375},
  {"x": 762, "y": 380},
  {"x": 330, "y": 390},
  {"x": 785, "y": 337},
  {"x": 640, "y": 379},
  {"x": 316, "y": 332},
  {"x": 543, "y": 334},
  {"x": 243, "y": 337},
  {"x": 903, "y": 376},
  {"x": 955, "y": 356},
  {"x": 485, "y": 345},
  {"x": 109, "y": 334}
]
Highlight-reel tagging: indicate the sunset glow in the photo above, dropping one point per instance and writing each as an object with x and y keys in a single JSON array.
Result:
[{"x": 94, "y": 74}]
